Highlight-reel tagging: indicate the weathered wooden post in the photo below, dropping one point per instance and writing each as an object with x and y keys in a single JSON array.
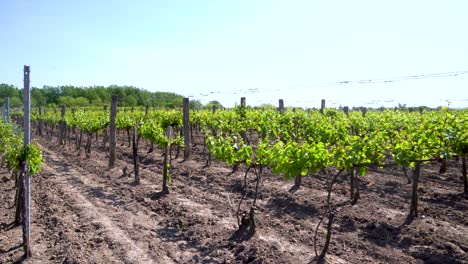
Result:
[
  {"x": 281, "y": 106},
  {"x": 7, "y": 110},
  {"x": 62, "y": 126},
  {"x": 322, "y": 106},
  {"x": 112, "y": 143},
  {"x": 242, "y": 102},
  {"x": 364, "y": 111},
  {"x": 4, "y": 113},
  {"x": 40, "y": 123},
  {"x": 25, "y": 169},
  {"x": 186, "y": 126},
  {"x": 136, "y": 161}
]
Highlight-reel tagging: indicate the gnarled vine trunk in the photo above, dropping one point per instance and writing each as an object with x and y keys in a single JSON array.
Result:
[
  {"x": 465, "y": 178},
  {"x": 88, "y": 145},
  {"x": 246, "y": 219},
  {"x": 136, "y": 163},
  {"x": 414, "y": 195},
  {"x": 354, "y": 186}
]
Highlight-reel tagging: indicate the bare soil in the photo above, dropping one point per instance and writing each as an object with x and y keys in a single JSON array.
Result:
[{"x": 83, "y": 212}]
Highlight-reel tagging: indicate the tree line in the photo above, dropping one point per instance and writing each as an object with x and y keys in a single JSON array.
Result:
[{"x": 52, "y": 96}]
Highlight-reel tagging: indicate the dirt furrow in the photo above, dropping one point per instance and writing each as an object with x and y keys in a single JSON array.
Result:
[
  {"x": 97, "y": 212},
  {"x": 87, "y": 213}
]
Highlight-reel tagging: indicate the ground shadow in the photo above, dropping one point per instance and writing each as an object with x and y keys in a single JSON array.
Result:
[
  {"x": 174, "y": 235},
  {"x": 284, "y": 204},
  {"x": 11, "y": 249},
  {"x": 458, "y": 201},
  {"x": 6, "y": 227},
  {"x": 157, "y": 195}
]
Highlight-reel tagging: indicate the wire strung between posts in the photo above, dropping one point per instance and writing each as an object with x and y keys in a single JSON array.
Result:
[{"x": 341, "y": 83}]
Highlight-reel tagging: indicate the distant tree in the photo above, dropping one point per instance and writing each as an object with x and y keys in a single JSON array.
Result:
[
  {"x": 196, "y": 105},
  {"x": 95, "y": 95},
  {"x": 70, "y": 101},
  {"x": 130, "y": 100},
  {"x": 80, "y": 101},
  {"x": 210, "y": 105},
  {"x": 66, "y": 100},
  {"x": 69, "y": 90},
  {"x": 37, "y": 97},
  {"x": 96, "y": 101},
  {"x": 116, "y": 90},
  {"x": 175, "y": 103},
  {"x": 101, "y": 92},
  {"x": 265, "y": 106},
  {"x": 51, "y": 94},
  {"x": 144, "y": 97},
  {"x": 10, "y": 91},
  {"x": 7, "y": 90},
  {"x": 15, "y": 101}
]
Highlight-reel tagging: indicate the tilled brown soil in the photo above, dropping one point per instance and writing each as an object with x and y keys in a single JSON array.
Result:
[{"x": 83, "y": 212}]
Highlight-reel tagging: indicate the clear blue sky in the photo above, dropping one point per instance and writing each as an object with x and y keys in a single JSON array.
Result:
[{"x": 283, "y": 48}]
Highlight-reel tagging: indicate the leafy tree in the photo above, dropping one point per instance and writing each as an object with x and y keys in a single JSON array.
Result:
[
  {"x": 210, "y": 105},
  {"x": 8, "y": 91},
  {"x": 130, "y": 100},
  {"x": 37, "y": 97},
  {"x": 80, "y": 101},
  {"x": 94, "y": 95},
  {"x": 66, "y": 100},
  {"x": 96, "y": 101},
  {"x": 15, "y": 101},
  {"x": 266, "y": 107},
  {"x": 51, "y": 94},
  {"x": 196, "y": 105}
]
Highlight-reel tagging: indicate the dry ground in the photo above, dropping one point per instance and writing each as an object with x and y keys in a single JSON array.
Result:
[{"x": 82, "y": 212}]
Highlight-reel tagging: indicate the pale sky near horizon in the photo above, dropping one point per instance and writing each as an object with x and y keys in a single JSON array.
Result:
[{"x": 223, "y": 50}]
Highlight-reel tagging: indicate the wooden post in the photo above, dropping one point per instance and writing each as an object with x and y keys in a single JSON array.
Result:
[
  {"x": 7, "y": 108},
  {"x": 27, "y": 141},
  {"x": 113, "y": 114},
  {"x": 146, "y": 110},
  {"x": 136, "y": 162},
  {"x": 4, "y": 113},
  {"x": 322, "y": 106},
  {"x": 364, "y": 111},
  {"x": 242, "y": 102},
  {"x": 40, "y": 124},
  {"x": 346, "y": 110},
  {"x": 62, "y": 126},
  {"x": 186, "y": 126},
  {"x": 214, "y": 109},
  {"x": 281, "y": 106}
]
